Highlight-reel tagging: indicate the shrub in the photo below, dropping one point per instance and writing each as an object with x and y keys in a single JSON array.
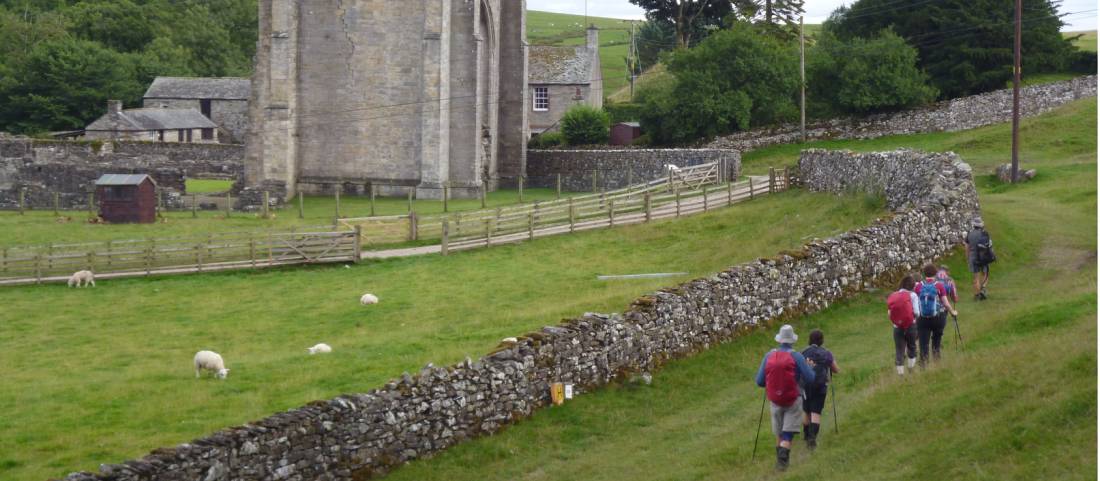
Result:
[
  {"x": 585, "y": 125},
  {"x": 623, "y": 111},
  {"x": 546, "y": 140}
]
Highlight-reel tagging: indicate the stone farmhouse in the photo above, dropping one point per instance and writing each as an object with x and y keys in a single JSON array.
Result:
[
  {"x": 152, "y": 124},
  {"x": 223, "y": 100},
  {"x": 409, "y": 95},
  {"x": 561, "y": 77}
]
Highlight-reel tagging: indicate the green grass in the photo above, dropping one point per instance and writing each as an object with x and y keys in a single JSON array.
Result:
[
  {"x": 546, "y": 28},
  {"x": 103, "y": 375},
  {"x": 207, "y": 186},
  {"x": 1086, "y": 41},
  {"x": 1018, "y": 403},
  {"x": 41, "y": 226}
]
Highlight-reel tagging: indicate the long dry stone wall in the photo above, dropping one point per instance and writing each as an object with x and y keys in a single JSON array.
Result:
[
  {"x": 616, "y": 168},
  {"x": 357, "y": 436},
  {"x": 70, "y": 168},
  {"x": 946, "y": 116}
]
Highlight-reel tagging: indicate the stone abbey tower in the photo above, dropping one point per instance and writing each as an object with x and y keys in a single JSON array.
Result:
[{"x": 404, "y": 94}]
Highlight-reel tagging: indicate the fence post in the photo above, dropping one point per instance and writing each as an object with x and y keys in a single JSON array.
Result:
[
  {"x": 91, "y": 260},
  {"x": 337, "y": 193},
  {"x": 49, "y": 257},
  {"x": 91, "y": 204},
  {"x": 572, "y": 216},
  {"x": 194, "y": 207},
  {"x": 38, "y": 268},
  {"x": 729, "y": 193},
  {"x": 443, "y": 241},
  {"x": 301, "y": 204},
  {"x": 56, "y": 204},
  {"x": 252, "y": 249},
  {"x": 411, "y": 191},
  {"x": 629, "y": 177},
  {"x": 669, "y": 186},
  {"x": 611, "y": 213},
  {"x": 22, "y": 200},
  {"x": 446, "y": 194},
  {"x": 267, "y": 205},
  {"x": 358, "y": 243},
  {"x": 531, "y": 226},
  {"x": 412, "y": 226},
  {"x": 488, "y": 232},
  {"x": 198, "y": 256},
  {"x": 370, "y": 187},
  {"x": 228, "y": 204},
  {"x": 535, "y": 209},
  {"x": 481, "y": 192},
  {"x": 677, "y": 202},
  {"x": 521, "y": 189},
  {"x": 751, "y": 193},
  {"x": 648, "y": 207},
  {"x": 149, "y": 257},
  {"x": 595, "y": 183},
  {"x": 270, "y": 248},
  {"x": 4, "y": 259},
  {"x": 557, "y": 191},
  {"x": 706, "y": 204},
  {"x": 786, "y": 178},
  {"x": 771, "y": 180}
]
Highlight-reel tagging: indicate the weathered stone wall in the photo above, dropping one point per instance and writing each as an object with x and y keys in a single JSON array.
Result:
[
  {"x": 44, "y": 167},
  {"x": 614, "y": 168},
  {"x": 946, "y": 116},
  {"x": 353, "y": 437}
]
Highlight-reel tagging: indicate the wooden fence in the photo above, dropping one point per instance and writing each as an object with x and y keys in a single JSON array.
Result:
[{"x": 213, "y": 252}]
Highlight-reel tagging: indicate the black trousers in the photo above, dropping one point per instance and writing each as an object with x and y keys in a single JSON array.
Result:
[
  {"x": 931, "y": 327},
  {"x": 905, "y": 340}
]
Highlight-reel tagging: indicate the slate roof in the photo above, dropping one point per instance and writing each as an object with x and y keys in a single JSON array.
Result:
[
  {"x": 559, "y": 65},
  {"x": 123, "y": 179},
  {"x": 152, "y": 119},
  {"x": 221, "y": 88}
]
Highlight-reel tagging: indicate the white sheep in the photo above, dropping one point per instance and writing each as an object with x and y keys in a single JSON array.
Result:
[
  {"x": 212, "y": 361},
  {"x": 82, "y": 279},
  {"x": 368, "y": 299},
  {"x": 672, "y": 168},
  {"x": 320, "y": 348},
  {"x": 510, "y": 339}
]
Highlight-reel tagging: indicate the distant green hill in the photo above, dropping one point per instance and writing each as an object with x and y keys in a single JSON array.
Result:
[{"x": 1087, "y": 41}]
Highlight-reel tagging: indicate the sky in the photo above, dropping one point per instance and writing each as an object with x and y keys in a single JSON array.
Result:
[{"x": 816, "y": 10}]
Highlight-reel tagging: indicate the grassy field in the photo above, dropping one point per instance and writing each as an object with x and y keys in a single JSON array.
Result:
[
  {"x": 41, "y": 227},
  {"x": 1086, "y": 41},
  {"x": 208, "y": 186},
  {"x": 545, "y": 28},
  {"x": 104, "y": 375},
  {"x": 1018, "y": 402}
]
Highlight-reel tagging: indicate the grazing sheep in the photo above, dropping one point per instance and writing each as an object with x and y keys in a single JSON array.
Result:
[
  {"x": 320, "y": 348},
  {"x": 210, "y": 360},
  {"x": 671, "y": 168},
  {"x": 82, "y": 279},
  {"x": 510, "y": 339},
  {"x": 368, "y": 299}
]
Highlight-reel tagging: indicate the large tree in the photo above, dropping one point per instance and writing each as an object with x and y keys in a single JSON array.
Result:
[
  {"x": 964, "y": 45},
  {"x": 777, "y": 17},
  {"x": 686, "y": 16}
]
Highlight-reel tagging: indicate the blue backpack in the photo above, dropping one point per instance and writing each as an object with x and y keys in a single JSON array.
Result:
[{"x": 929, "y": 298}]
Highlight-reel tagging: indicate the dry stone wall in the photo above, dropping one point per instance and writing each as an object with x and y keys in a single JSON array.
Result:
[
  {"x": 615, "y": 168},
  {"x": 357, "y": 436},
  {"x": 946, "y": 116}
]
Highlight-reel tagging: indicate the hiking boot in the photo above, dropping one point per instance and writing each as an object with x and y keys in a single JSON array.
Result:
[
  {"x": 901, "y": 370},
  {"x": 912, "y": 363},
  {"x": 782, "y": 458},
  {"x": 811, "y": 436}
]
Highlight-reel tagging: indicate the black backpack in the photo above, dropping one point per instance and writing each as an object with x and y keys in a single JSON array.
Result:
[
  {"x": 822, "y": 367},
  {"x": 983, "y": 252}
]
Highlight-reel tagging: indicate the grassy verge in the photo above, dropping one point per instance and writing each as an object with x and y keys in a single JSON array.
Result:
[
  {"x": 1017, "y": 403},
  {"x": 104, "y": 374}
]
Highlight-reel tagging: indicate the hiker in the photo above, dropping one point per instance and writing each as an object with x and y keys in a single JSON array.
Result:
[
  {"x": 780, "y": 374},
  {"x": 933, "y": 307},
  {"x": 824, "y": 366},
  {"x": 904, "y": 309},
  {"x": 979, "y": 254},
  {"x": 944, "y": 276}
]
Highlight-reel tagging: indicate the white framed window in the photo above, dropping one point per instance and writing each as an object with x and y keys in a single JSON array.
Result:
[{"x": 542, "y": 99}]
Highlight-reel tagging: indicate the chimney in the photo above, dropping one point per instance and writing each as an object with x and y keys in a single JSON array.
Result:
[
  {"x": 593, "y": 37},
  {"x": 114, "y": 106}
]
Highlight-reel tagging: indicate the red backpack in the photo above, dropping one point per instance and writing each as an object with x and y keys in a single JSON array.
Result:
[
  {"x": 779, "y": 378},
  {"x": 900, "y": 305}
]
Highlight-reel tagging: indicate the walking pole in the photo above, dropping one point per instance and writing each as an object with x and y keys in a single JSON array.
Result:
[
  {"x": 756, "y": 440},
  {"x": 958, "y": 334},
  {"x": 836, "y": 424}
]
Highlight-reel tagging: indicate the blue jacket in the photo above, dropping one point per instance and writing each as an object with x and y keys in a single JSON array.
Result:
[{"x": 804, "y": 373}]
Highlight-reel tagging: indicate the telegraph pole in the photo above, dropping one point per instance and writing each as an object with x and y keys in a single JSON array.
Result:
[
  {"x": 802, "y": 71},
  {"x": 1016, "y": 96},
  {"x": 633, "y": 60}
]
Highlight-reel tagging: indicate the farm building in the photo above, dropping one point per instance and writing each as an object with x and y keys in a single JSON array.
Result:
[
  {"x": 127, "y": 198},
  {"x": 152, "y": 124},
  {"x": 223, "y": 100},
  {"x": 561, "y": 77},
  {"x": 624, "y": 133}
]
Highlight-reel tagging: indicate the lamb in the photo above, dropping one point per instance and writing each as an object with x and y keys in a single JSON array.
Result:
[
  {"x": 82, "y": 279},
  {"x": 672, "y": 168},
  {"x": 212, "y": 361},
  {"x": 320, "y": 348},
  {"x": 368, "y": 299}
]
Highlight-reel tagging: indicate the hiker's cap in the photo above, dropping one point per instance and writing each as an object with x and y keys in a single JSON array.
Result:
[
  {"x": 977, "y": 222},
  {"x": 786, "y": 335}
]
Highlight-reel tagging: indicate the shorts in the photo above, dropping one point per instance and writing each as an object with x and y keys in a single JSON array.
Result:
[
  {"x": 972, "y": 263},
  {"x": 815, "y": 399},
  {"x": 787, "y": 418}
]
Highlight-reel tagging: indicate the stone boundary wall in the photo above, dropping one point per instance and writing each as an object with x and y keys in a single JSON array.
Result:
[
  {"x": 70, "y": 168},
  {"x": 946, "y": 116},
  {"x": 357, "y": 436},
  {"x": 614, "y": 168}
]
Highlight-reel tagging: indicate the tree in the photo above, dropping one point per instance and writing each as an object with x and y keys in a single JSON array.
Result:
[
  {"x": 964, "y": 45},
  {"x": 119, "y": 24},
  {"x": 654, "y": 37},
  {"x": 862, "y": 76},
  {"x": 777, "y": 17},
  {"x": 686, "y": 15},
  {"x": 585, "y": 125}
]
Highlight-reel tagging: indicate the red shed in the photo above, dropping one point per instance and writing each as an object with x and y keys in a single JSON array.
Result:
[
  {"x": 127, "y": 198},
  {"x": 624, "y": 133}
]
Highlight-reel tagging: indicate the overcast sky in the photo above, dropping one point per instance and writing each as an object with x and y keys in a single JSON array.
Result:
[{"x": 816, "y": 10}]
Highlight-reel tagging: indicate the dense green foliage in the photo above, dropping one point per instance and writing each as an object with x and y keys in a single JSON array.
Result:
[
  {"x": 546, "y": 140},
  {"x": 735, "y": 79},
  {"x": 585, "y": 125},
  {"x": 964, "y": 45},
  {"x": 60, "y": 61},
  {"x": 864, "y": 76},
  {"x": 623, "y": 111}
]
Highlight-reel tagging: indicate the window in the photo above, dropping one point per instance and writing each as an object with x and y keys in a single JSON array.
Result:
[
  {"x": 207, "y": 134},
  {"x": 189, "y": 133},
  {"x": 179, "y": 135},
  {"x": 160, "y": 135},
  {"x": 204, "y": 106},
  {"x": 120, "y": 192},
  {"x": 542, "y": 99}
]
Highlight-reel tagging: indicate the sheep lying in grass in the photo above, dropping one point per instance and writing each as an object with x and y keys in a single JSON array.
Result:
[
  {"x": 368, "y": 299},
  {"x": 320, "y": 348},
  {"x": 211, "y": 361},
  {"x": 82, "y": 279}
]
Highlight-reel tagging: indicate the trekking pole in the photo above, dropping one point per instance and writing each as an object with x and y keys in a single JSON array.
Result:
[
  {"x": 836, "y": 424},
  {"x": 756, "y": 440},
  {"x": 958, "y": 333}
]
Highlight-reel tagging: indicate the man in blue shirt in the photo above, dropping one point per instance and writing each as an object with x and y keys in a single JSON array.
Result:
[{"x": 781, "y": 374}]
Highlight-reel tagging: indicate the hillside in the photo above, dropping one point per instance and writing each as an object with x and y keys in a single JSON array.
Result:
[
  {"x": 546, "y": 28},
  {"x": 1017, "y": 401}
]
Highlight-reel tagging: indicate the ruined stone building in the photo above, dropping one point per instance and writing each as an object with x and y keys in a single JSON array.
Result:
[
  {"x": 158, "y": 124},
  {"x": 560, "y": 77},
  {"x": 223, "y": 100},
  {"x": 411, "y": 94}
]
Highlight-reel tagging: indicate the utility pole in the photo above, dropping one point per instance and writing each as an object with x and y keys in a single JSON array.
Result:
[
  {"x": 633, "y": 60},
  {"x": 1016, "y": 97},
  {"x": 802, "y": 72}
]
